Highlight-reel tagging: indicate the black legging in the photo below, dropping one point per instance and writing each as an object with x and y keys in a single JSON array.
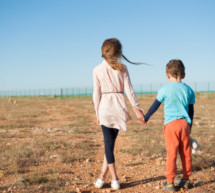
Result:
[{"x": 110, "y": 135}]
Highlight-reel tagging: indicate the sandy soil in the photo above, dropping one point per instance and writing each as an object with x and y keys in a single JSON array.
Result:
[{"x": 55, "y": 146}]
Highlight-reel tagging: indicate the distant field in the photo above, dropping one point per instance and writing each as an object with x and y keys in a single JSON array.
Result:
[{"x": 56, "y": 146}]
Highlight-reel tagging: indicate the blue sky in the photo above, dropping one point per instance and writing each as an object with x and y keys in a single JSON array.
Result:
[{"x": 57, "y": 43}]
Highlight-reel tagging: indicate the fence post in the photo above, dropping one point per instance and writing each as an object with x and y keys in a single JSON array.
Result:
[
  {"x": 61, "y": 93},
  {"x": 73, "y": 93}
]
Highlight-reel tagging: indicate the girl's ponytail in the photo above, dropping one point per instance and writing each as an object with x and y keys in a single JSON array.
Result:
[
  {"x": 112, "y": 52},
  {"x": 135, "y": 63}
]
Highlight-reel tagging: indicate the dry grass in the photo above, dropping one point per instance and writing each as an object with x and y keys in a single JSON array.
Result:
[
  {"x": 51, "y": 145},
  {"x": 36, "y": 133}
]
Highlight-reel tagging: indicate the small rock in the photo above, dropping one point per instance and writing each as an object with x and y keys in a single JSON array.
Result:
[
  {"x": 199, "y": 183},
  {"x": 53, "y": 156},
  {"x": 199, "y": 152},
  {"x": 160, "y": 159},
  {"x": 78, "y": 190},
  {"x": 8, "y": 143},
  {"x": 87, "y": 185},
  {"x": 88, "y": 160},
  {"x": 211, "y": 138},
  {"x": 106, "y": 191},
  {"x": 196, "y": 123},
  {"x": 158, "y": 163},
  {"x": 157, "y": 187},
  {"x": 124, "y": 178},
  {"x": 212, "y": 168}
]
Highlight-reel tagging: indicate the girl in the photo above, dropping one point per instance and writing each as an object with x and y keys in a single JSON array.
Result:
[{"x": 110, "y": 80}]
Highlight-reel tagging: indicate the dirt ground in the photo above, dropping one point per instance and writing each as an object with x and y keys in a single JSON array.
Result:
[{"x": 53, "y": 145}]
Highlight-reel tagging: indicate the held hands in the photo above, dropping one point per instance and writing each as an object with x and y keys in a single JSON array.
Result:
[{"x": 140, "y": 116}]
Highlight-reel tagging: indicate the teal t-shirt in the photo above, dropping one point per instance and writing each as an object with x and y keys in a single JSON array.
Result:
[{"x": 176, "y": 96}]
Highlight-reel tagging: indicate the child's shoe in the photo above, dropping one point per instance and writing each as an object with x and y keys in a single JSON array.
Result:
[
  {"x": 169, "y": 187},
  {"x": 184, "y": 183},
  {"x": 115, "y": 185},
  {"x": 99, "y": 183}
]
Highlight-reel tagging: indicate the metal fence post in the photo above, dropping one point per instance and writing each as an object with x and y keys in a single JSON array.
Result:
[
  {"x": 61, "y": 93},
  {"x": 73, "y": 93},
  {"x": 79, "y": 94}
]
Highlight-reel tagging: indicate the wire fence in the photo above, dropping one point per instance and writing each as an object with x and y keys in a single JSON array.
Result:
[{"x": 86, "y": 92}]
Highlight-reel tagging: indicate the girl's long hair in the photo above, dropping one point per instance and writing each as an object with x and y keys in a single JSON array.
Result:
[{"x": 112, "y": 52}]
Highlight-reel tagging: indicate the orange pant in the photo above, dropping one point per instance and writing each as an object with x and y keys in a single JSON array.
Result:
[{"x": 177, "y": 138}]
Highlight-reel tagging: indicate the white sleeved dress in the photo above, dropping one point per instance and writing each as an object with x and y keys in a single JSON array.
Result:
[{"x": 108, "y": 98}]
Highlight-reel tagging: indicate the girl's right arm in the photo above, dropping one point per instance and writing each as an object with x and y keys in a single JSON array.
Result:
[{"x": 96, "y": 93}]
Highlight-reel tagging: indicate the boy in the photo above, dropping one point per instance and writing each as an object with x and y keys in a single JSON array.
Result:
[{"x": 178, "y": 109}]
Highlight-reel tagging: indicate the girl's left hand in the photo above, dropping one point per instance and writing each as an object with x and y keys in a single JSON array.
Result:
[{"x": 140, "y": 116}]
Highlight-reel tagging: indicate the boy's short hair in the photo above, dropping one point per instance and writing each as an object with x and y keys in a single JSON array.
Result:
[{"x": 175, "y": 68}]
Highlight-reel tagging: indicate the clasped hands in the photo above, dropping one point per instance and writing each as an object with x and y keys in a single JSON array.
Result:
[{"x": 140, "y": 116}]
